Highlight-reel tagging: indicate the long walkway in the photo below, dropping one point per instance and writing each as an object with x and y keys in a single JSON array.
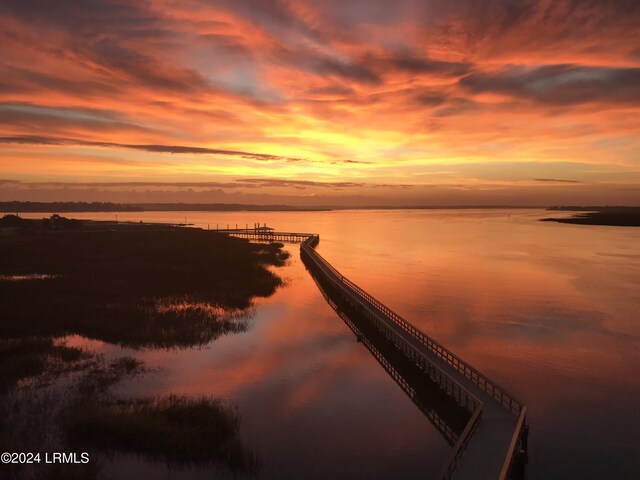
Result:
[
  {"x": 498, "y": 423},
  {"x": 494, "y": 441}
]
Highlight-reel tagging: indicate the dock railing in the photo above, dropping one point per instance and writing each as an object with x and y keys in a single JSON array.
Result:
[
  {"x": 517, "y": 440},
  {"x": 454, "y": 388},
  {"x": 451, "y": 465},
  {"x": 482, "y": 381}
]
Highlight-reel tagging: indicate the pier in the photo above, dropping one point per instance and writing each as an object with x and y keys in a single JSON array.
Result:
[
  {"x": 492, "y": 445},
  {"x": 266, "y": 234}
]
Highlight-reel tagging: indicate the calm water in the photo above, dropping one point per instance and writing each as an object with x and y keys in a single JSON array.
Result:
[{"x": 548, "y": 310}]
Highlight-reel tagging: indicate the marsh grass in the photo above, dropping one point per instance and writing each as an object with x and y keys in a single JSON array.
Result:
[
  {"x": 22, "y": 358},
  {"x": 107, "y": 284},
  {"x": 79, "y": 413},
  {"x": 137, "y": 286},
  {"x": 31, "y": 411},
  {"x": 177, "y": 430}
]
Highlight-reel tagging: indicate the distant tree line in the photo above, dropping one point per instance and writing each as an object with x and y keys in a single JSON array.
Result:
[
  {"x": 20, "y": 207},
  {"x": 66, "y": 207}
]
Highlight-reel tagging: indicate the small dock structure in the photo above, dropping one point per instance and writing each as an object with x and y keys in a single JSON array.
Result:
[{"x": 262, "y": 233}]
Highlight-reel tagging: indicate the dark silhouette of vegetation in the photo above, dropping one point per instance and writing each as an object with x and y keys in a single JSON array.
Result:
[
  {"x": 11, "y": 221},
  {"x": 67, "y": 207},
  {"x": 81, "y": 414},
  {"x": 177, "y": 430},
  {"x": 54, "y": 222},
  {"x": 22, "y": 358},
  {"x": 611, "y": 216},
  {"x": 55, "y": 379},
  {"x": 137, "y": 285}
]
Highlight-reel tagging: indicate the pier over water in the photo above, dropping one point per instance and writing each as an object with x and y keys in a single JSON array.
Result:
[{"x": 492, "y": 444}]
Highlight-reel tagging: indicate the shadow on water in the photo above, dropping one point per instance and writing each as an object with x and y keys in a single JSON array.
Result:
[{"x": 441, "y": 409}]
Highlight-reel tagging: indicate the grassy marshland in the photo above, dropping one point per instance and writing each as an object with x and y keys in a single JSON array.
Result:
[
  {"x": 173, "y": 429},
  {"x": 137, "y": 286},
  {"x": 22, "y": 358},
  {"x": 140, "y": 286}
]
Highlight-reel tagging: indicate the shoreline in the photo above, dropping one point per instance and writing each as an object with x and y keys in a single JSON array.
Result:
[{"x": 603, "y": 216}]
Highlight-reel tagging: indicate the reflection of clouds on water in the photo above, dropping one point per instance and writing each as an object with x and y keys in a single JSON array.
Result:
[{"x": 554, "y": 322}]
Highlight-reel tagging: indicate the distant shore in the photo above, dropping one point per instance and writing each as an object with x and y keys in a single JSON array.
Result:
[
  {"x": 606, "y": 216},
  {"x": 77, "y": 207}
]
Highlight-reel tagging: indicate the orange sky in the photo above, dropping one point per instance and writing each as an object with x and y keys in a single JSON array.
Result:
[{"x": 365, "y": 102}]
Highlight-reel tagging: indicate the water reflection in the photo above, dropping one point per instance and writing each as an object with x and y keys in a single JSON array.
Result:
[
  {"x": 549, "y": 310},
  {"x": 311, "y": 398},
  {"x": 445, "y": 414}
]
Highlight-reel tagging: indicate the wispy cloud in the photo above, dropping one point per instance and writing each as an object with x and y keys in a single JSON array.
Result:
[
  {"x": 556, "y": 180},
  {"x": 235, "y": 184},
  {"x": 561, "y": 85},
  {"x": 175, "y": 149}
]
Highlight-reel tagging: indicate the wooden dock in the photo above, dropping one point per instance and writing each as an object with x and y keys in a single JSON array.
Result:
[
  {"x": 264, "y": 234},
  {"x": 493, "y": 443}
]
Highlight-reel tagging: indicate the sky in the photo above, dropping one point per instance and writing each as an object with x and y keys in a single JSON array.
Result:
[{"x": 301, "y": 102}]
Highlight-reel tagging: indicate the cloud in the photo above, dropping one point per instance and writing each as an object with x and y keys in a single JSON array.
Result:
[
  {"x": 251, "y": 183},
  {"x": 146, "y": 69},
  {"x": 349, "y": 71},
  {"x": 171, "y": 149},
  {"x": 430, "y": 99},
  {"x": 331, "y": 90},
  {"x": 372, "y": 93},
  {"x": 37, "y": 118},
  {"x": 298, "y": 184},
  {"x": 167, "y": 184},
  {"x": 92, "y": 18},
  {"x": 277, "y": 16},
  {"x": 407, "y": 62},
  {"x": 536, "y": 30},
  {"x": 19, "y": 80},
  {"x": 174, "y": 149},
  {"x": 555, "y": 180},
  {"x": 560, "y": 85},
  {"x": 6, "y": 181},
  {"x": 313, "y": 61},
  {"x": 230, "y": 45}
]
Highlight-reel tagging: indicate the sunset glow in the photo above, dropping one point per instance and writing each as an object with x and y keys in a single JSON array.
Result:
[{"x": 367, "y": 102}]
